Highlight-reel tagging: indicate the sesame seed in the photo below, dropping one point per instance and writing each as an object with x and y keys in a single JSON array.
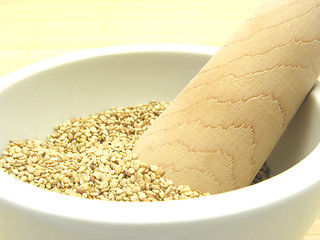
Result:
[{"x": 153, "y": 168}]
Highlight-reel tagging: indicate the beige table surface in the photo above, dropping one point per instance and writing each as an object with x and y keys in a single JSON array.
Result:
[{"x": 32, "y": 30}]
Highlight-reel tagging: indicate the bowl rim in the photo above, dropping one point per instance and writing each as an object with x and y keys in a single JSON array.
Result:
[{"x": 280, "y": 188}]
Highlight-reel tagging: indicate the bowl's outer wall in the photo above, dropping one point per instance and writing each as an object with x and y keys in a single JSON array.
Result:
[
  {"x": 287, "y": 220},
  {"x": 29, "y": 108}
]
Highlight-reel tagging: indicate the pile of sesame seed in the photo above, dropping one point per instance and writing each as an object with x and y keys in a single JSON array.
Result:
[{"x": 91, "y": 157}]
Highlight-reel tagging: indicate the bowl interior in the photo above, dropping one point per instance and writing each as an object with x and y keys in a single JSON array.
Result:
[{"x": 32, "y": 102}]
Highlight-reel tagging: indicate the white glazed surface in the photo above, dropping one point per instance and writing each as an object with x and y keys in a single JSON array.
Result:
[{"x": 35, "y": 98}]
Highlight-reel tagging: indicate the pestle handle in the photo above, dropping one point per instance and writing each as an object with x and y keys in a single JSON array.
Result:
[{"x": 218, "y": 132}]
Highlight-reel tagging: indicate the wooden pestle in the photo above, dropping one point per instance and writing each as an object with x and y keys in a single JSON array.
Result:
[{"x": 218, "y": 132}]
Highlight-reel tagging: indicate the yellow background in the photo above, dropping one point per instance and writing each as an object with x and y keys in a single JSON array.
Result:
[{"x": 32, "y": 30}]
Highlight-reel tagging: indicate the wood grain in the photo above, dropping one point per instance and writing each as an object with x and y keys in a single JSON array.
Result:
[
  {"x": 32, "y": 30},
  {"x": 220, "y": 129}
]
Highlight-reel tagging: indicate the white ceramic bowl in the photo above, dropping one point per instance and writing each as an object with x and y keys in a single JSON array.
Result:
[{"x": 35, "y": 98}]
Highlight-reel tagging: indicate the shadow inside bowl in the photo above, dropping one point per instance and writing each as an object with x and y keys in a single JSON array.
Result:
[{"x": 301, "y": 136}]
